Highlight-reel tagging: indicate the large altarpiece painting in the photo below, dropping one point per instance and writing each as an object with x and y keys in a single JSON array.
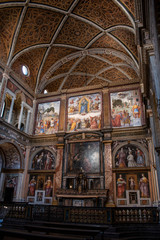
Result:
[
  {"x": 84, "y": 112},
  {"x": 85, "y": 156}
]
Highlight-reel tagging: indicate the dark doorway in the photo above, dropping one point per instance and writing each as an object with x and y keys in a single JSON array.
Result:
[{"x": 8, "y": 194}]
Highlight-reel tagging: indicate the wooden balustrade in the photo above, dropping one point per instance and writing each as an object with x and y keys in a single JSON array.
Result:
[{"x": 85, "y": 215}]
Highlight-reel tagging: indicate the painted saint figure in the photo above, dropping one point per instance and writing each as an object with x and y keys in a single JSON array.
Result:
[
  {"x": 131, "y": 183},
  {"x": 144, "y": 186},
  {"x": 140, "y": 160},
  {"x": 48, "y": 162},
  {"x": 136, "y": 110},
  {"x": 32, "y": 186},
  {"x": 121, "y": 186},
  {"x": 121, "y": 158},
  {"x": 48, "y": 187},
  {"x": 84, "y": 106},
  {"x": 130, "y": 159}
]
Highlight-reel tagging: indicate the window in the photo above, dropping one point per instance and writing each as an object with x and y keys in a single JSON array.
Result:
[{"x": 25, "y": 70}]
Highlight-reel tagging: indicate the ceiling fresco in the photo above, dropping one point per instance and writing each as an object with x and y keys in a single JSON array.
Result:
[{"x": 69, "y": 44}]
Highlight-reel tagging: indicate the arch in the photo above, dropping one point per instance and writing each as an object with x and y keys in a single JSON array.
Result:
[
  {"x": 11, "y": 163},
  {"x": 42, "y": 159},
  {"x": 130, "y": 143}
]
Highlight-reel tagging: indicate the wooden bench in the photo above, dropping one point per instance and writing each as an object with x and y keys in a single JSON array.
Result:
[
  {"x": 89, "y": 234},
  {"x": 100, "y": 228},
  {"x": 15, "y": 234}
]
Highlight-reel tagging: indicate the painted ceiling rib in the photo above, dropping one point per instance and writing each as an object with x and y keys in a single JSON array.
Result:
[
  {"x": 71, "y": 69},
  {"x": 94, "y": 39},
  {"x": 27, "y": 50},
  {"x": 42, "y": 86},
  {"x": 46, "y": 7},
  {"x": 17, "y": 32},
  {"x": 67, "y": 46},
  {"x": 14, "y": 4},
  {"x": 119, "y": 69},
  {"x": 52, "y": 41},
  {"x": 99, "y": 72},
  {"x": 125, "y": 11},
  {"x": 110, "y": 29},
  {"x": 104, "y": 79},
  {"x": 47, "y": 52},
  {"x": 126, "y": 49},
  {"x": 87, "y": 21},
  {"x": 101, "y": 58},
  {"x": 91, "y": 52}
]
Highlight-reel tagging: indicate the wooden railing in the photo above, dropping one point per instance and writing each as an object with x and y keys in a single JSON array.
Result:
[
  {"x": 136, "y": 215},
  {"x": 85, "y": 215}
]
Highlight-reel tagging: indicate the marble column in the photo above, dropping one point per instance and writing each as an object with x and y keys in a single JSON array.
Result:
[
  {"x": 3, "y": 89},
  {"x": 106, "y": 108},
  {"x": 25, "y": 178},
  {"x": 11, "y": 110},
  {"x": 108, "y": 173},
  {"x": 20, "y": 116},
  {"x": 62, "y": 113}
]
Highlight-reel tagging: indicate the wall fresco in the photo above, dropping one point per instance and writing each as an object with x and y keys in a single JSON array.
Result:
[
  {"x": 132, "y": 181},
  {"x": 43, "y": 160},
  {"x": 11, "y": 181},
  {"x": 84, "y": 156},
  {"x": 133, "y": 189},
  {"x": 126, "y": 109},
  {"x": 129, "y": 156},
  {"x": 47, "y": 120},
  {"x": 84, "y": 112},
  {"x": 39, "y": 183}
]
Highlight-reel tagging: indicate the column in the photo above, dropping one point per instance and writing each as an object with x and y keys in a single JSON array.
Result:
[
  {"x": 24, "y": 182},
  {"x": 27, "y": 121},
  {"x": 32, "y": 119},
  {"x": 3, "y": 88},
  {"x": 2, "y": 181},
  {"x": 20, "y": 116},
  {"x": 64, "y": 182},
  {"x": 153, "y": 174},
  {"x": 62, "y": 113},
  {"x": 108, "y": 173},
  {"x": 102, "y": 182},
  {"x": 19, "y": 187},
  {"x": 11, "y": 110},
  {"x": 106, "y": 108}
]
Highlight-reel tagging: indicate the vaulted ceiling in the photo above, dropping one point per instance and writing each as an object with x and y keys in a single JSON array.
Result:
[{"x": 69, "y": 44}]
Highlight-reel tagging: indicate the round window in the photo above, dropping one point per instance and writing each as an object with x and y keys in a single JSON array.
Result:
[{"x": 25, "y": 70}]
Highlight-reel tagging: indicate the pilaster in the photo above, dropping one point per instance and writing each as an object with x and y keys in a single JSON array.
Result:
[
  {"x": 106, "y": 109},
  {"x": 108, "y": 173},
  {"x": 62, "y": 113},
  {"x": 3, "y": 90},
  {"x": 25, "y": 178}
]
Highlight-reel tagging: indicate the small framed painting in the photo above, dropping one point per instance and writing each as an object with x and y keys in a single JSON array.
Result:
[{"x": 39, "y": 196}]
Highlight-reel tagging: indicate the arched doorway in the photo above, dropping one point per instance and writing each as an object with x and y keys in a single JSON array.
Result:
[{"x": 10, "y": 171}]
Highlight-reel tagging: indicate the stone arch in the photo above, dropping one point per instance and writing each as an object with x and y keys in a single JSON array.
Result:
[
  {"x": 12, "y": 155},
  {"x": 135, "y": 144}
]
